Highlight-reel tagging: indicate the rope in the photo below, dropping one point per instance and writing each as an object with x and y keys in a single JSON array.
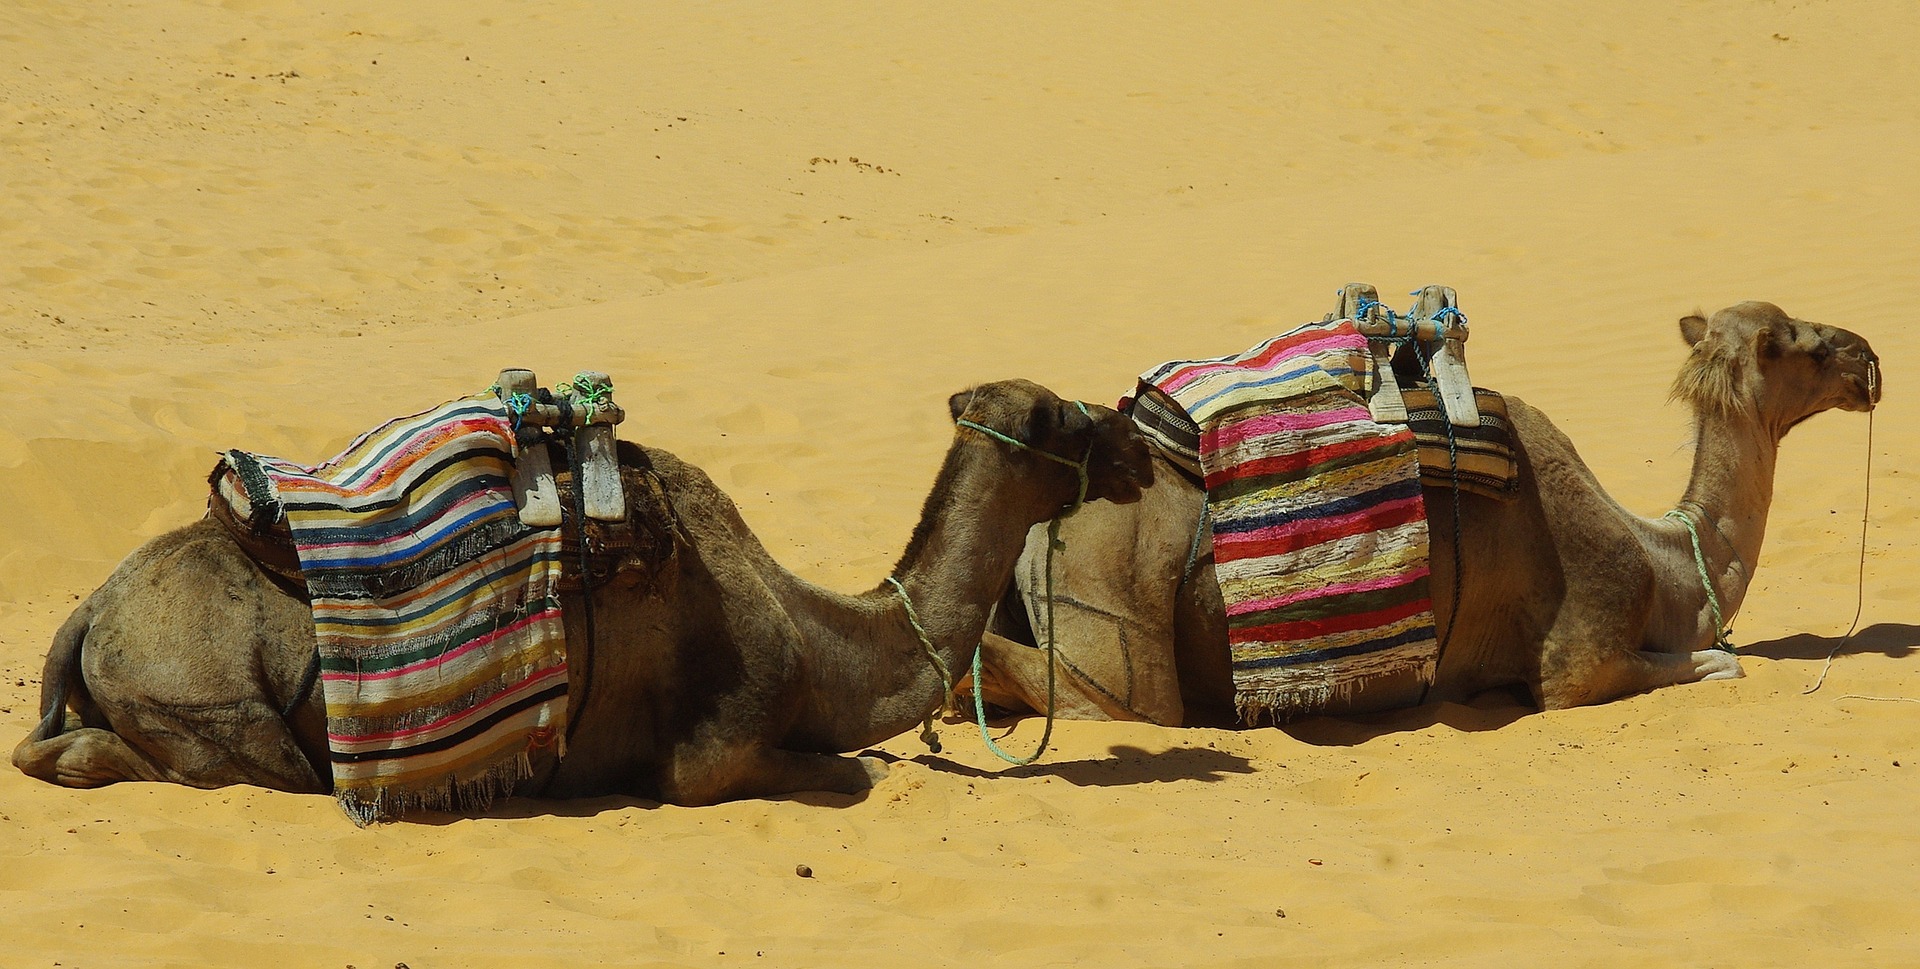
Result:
[
  {"x": 1453, "y": 481},
  {"x": 1860, "y": 586},
  {"x": 1053, "y": 543},
  {"x": 927, "y": 736},
  {"x": 517, "y": 405},
  {"x": 1722, "y": 636},
  {"x": 307, "y": 681},
  {"x": 584, "y": 393},
  {"x": 1366, "y": 306},
  {"x": 980, "y": 704},
  {"x": 573, "y": 448},
  {"x": 1193, "y": 551}
]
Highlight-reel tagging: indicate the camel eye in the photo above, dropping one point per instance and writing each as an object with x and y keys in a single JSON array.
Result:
[{"x": 1822, "y": 353}]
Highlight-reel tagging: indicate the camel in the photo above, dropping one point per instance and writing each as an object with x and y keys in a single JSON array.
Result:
[
  {"x": 1564, "y": 591},
  {"x": 726, "y": 678}
]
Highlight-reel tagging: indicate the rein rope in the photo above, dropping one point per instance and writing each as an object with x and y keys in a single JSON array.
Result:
[
  {"x": 927, "y": 735},
  {"x": 1866, "y": 507}
]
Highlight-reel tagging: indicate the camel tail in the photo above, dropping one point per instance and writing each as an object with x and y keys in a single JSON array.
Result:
[{"x": 61, "y": 673}]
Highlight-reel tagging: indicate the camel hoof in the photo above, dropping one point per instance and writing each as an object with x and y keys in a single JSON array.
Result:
[
  {"x": 1717, "y": 664},
  {"x": 877, "y": 769}
]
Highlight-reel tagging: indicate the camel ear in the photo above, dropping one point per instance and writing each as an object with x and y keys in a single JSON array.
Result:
[
  {"x": 957, "y": 404},
  {"x": 1766, "y": 344},
  {"x": 1693, "y": 329}
]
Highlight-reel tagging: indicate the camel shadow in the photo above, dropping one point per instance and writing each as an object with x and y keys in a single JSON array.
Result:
[
  {"x": 1123, "y": 767},
  {"x": 1490, "y": 710},
  {"x": 1895, "y": 639},
  {"x": 524, "y": 808}
]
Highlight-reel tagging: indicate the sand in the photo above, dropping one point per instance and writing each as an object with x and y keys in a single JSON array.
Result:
[{"x": 789, "y": 232}]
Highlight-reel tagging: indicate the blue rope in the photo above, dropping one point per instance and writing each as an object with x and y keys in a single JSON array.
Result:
[
  {"x": 1366, "y": 306},
  {"x": 1053, "y": 544},
  {"x": 517, "y": 406}
]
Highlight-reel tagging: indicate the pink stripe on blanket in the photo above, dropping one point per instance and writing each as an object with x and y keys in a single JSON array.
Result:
[
  {"x": 1333, "y": 341},
  {"x": 1229, "y": 435}
]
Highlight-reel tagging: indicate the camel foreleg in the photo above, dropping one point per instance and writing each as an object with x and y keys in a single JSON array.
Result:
[
  {"x": 1637, "y": 671},
  {"x": 709, "y": 776}
]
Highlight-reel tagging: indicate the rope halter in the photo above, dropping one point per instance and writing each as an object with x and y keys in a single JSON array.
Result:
[{"x": 927, "y": 735}]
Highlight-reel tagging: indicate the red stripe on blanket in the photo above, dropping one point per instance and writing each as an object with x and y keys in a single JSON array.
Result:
[
  {"x": 1312, "y": 628},
  {"x": 1291, "y": 463},
  {"x": 1294, "y": 536}
]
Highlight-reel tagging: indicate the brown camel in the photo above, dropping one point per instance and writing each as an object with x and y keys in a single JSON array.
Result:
[
  {"x": 1565, "y": 591},
  {"x": 728, "y": 677}
]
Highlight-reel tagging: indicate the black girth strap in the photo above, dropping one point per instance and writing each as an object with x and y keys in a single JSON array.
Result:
[{"x": 576, "y": 462}]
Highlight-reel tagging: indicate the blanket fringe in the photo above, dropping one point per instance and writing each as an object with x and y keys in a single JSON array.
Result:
[
  {"x": 1284, "y": 704},
  {"x": 465, "y": 795}
]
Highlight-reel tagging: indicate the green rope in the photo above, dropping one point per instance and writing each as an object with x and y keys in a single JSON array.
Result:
[
  {"x": 927, "y": 736},
  {"x": 1053, "y": 543},
  {"x": 585, "y": 393},
  {"x": 1723, "y": 633}
]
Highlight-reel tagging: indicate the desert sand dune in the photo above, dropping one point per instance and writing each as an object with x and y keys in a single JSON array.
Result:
[{"x": 788, "y": 234}]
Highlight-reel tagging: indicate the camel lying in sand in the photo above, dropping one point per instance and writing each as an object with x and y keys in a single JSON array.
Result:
[
  {"x": 729, "y": 678},
  {"x": 1565, "y": 591}
]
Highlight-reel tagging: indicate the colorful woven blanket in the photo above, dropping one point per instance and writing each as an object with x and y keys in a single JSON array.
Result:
[
  {"x": 443, "y": 656},
  {"x": 1319, "y": 528},
  {"x": 1479, "y": 458}
]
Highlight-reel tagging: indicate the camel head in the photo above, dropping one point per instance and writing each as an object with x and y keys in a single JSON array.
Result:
[
  {"x": 1118, "y": 463},
  {"x": 1754, "y": 359}
]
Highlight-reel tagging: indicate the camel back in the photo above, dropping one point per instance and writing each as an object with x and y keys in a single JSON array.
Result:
[
  {"x": 436, "y": 603},
  {"x": 1479, "y": 459},
  {"x": 1319, "y": 530}
]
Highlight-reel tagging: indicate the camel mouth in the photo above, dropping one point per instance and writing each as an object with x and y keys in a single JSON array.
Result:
[{"x": 1866, "y": 388}]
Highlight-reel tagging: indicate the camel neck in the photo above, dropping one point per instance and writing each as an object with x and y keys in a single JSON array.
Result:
[
  {"x": 870, "y": 675},
  {"x": 1728, "y": 496},
  {"x": 1731, "y": 486}
]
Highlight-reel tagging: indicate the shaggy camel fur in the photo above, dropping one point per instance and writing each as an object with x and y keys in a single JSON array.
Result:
[
  {"x": 728, "y": 677},
  {"x": 1565, "y": 591}
]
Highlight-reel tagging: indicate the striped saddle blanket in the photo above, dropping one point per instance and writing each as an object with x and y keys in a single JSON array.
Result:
[
  {"x": 1479, "y": 460},
  {"x": 435, "y": 610},
  {"x": 1319, "y": 527}
]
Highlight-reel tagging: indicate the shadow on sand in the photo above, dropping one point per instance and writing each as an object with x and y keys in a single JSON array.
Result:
[
  {"x": 1122, "y": 767},
  {"x": 1488, "y": 711},
  {"x": 1895, "y": 639}
]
